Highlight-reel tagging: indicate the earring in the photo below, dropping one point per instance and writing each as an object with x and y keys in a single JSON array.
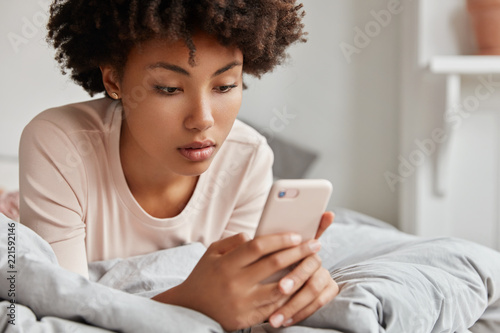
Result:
[{"x": 114, "y": 95}]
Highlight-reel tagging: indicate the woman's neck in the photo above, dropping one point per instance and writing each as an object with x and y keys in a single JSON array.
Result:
[{"x": 159, "y": 192}]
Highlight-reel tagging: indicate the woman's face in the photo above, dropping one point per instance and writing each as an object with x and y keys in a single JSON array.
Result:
[{"x": 177, "y": 116}]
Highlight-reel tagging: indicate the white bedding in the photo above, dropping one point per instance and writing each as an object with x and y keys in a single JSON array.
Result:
[{"x": 390, "y": 282}]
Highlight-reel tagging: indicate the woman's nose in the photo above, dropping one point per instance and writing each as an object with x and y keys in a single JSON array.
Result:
[{"x": 200, "y": 117}]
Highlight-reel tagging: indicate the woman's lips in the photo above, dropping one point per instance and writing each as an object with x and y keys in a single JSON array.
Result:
[{"x": 198, "y": 151}]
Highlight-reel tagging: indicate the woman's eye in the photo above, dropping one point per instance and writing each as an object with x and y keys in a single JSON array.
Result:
[
  {"x": 224, "y": 89},
  {"x": 167, "y": 90}
]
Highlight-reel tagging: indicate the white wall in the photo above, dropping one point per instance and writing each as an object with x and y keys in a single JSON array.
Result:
[
  {"x": 30, "y": 81},
  {"x": 466, "y": 204},
  {"x": 348, "y": 112},
  {"x": 345, "y": 110}
]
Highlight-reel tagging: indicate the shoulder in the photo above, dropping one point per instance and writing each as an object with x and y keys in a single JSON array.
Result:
[
  {"x": 66, "y": 126},
  {"x": 244, "y": 149},
  {"x": 243, "y": 134},
  {"x": 93, "y": 115},
  {"x": 246, "y": 140}
]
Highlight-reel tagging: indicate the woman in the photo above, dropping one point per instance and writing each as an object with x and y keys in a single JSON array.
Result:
[{"x": 161, "y": 161}]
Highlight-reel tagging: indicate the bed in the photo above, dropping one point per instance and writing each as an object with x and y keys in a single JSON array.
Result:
[{"x": 389, "y": 282}]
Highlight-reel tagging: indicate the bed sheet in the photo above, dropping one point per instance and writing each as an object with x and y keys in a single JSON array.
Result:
[{"x": 389, "y": 282}]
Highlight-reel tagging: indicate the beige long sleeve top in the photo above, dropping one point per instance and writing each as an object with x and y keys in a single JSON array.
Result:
[{"x": 73, "y": 192}]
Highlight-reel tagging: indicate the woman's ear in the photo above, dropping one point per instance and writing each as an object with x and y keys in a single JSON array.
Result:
[{"x": 111, "y": 81}]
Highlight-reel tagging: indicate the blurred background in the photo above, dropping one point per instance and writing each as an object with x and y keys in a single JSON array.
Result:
[{"x": 388, "y": 99}]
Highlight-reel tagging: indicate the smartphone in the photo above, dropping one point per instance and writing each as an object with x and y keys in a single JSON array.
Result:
[{"x": 294, "y": 205}]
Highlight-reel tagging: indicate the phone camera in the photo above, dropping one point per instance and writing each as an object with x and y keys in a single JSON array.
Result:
[{"x": 288, "y": 193}]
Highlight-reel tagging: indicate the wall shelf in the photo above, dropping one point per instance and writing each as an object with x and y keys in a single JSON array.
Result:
[
  {"x": 464, "y": 65},
  {"x": 454, "y": 67},
  {"x": 457, "y": 179}
]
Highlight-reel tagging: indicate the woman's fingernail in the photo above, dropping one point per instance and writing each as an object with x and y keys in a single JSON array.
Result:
[
  {"x": 288, "y": 322},
  {"x": 314, "y": 245},
  {"x": 296, "y": 238},
  {"x": 287, "y": 285},
  {"x": 277, "y": 320}
]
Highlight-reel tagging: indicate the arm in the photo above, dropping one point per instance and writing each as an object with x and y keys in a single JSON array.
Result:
[
  {"x": 309, "y": 285},
  {"x": 225, "y": 284},
  {"x": 52, "y": 182},
  {"x": 253, "y": 194},
  {"x": 314, "y": 282}
]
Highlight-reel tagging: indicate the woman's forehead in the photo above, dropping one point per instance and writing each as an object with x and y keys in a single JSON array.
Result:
[{"x": 164, "y": 49}]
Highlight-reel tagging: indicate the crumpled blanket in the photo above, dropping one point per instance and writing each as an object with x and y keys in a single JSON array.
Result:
[{"x": 389, "y": 282}]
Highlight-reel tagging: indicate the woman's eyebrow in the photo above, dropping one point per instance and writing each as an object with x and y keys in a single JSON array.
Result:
[
  {"x": 169, "y": 67},
  {"x": 180, "y": 70},
  {"x": 226, "y": 68}
]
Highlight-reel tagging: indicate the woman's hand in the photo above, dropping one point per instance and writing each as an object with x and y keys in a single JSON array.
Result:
[
  {"x": 225, "y": 284},
  {"x": 326, "y": 221},
  {"x": 310, "y": 284}
]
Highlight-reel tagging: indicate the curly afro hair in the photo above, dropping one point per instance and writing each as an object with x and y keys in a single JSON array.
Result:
[{"x": 89, "y": 33}]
